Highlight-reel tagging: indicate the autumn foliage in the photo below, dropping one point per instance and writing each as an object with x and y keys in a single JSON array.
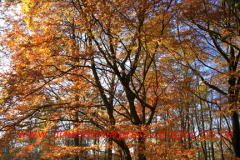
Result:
[{"x": 121, "y": 65}]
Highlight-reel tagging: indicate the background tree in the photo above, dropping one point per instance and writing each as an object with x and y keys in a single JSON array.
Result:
[{"x": 209, "y": 47}]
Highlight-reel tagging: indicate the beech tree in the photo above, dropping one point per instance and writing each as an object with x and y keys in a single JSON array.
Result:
[
  {"x": 112, "y": 47},
  {"x": 210, "y": 48},
  {"x": 139, "y": 65}
]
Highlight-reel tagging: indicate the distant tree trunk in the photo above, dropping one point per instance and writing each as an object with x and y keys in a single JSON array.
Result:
[
  {"x": 211, "y": 126},
  {"x": 204, "y": 145},
  {"x": 109, "y": 150},
  {"x": 220, "y": 128},
  {"x": 76, "y": 140}
]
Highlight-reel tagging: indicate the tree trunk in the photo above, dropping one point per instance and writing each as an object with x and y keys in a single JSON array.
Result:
[
  {"x": 109, "y": 150},
  {"x": 76, "y": 140},
  {"x": 141, "y": 147},
  {"x": 235, "y": 135}
]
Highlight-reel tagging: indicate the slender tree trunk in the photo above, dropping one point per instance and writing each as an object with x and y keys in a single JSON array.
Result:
[
  {"x": 76, "y": 140},
  {"x": 211, "y": 126},
  {"x": 109, "y": 150}
]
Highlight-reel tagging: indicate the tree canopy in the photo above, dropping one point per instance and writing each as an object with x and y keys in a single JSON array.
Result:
[{"x": 120, "y": 66}]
